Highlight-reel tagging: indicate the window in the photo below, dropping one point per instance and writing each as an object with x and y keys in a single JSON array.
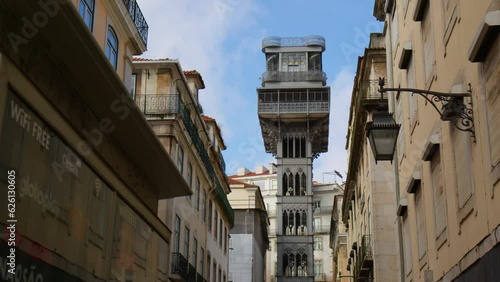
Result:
[
  {"x": 209, "y": 258},
  {"x": 226, "y": 238},
  {"x": 112, "y": 47},
  {"x": 450, "y": 17},
  {"x": 194, "y": 258},
  {"x": 318, "y": 269},
  {"x": 463, "y": 167},
  {"x": 407, "y": 244},
  {"x": 189, "y": 177},
  {"x": 204, "y": 206},
  {"x": 274, "y": 184},
  {"x": 216, "y": 214},
  {"x": 412, "y": 99},
  {"x": 210, "y": 208},
  {"x": 317, "y": 224},
  {"x": 197, "y": 195},
  {"x": 428, "y": 41},
  {"x": 318, "y": 243},
  {"x": 87, "y": 12},
  {"x": 438, "y": 191},
  {"x": 177, "y": 233},
  {"x": 186, "y": 243},
  {"x": 215, "y": 271},
  {"x": 180, "y": 158},
  {"x": 133, "y": 85},
  {"x": 202, "y": 261},
  {"x": 421, "y": 233},
  {"x": 220, "y": 231}
]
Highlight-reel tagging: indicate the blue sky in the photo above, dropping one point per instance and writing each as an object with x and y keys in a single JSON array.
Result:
[{"x": 222, "y": 40}]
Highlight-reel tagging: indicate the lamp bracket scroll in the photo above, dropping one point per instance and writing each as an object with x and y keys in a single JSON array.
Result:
[{"x": 450, "y": 106}]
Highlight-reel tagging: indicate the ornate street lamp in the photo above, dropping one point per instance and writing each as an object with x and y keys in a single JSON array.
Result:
[{"x": 382, "y": 131}]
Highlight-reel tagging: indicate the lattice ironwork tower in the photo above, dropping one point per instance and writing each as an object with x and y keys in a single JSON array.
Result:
[{"x": 294, "y": 110}]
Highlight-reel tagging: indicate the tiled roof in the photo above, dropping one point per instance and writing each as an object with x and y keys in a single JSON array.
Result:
[
  {"x": 250, "y": 174},
  {"x": 237, "y": 182},
  {"x": 207, "y": 118},
  {"x": 137, "y": 59},
  {"x": 195, "y": 73}
]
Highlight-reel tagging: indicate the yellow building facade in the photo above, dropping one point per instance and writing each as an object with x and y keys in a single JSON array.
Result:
[
  {"x": 447, "y": 179},
  {"x": 81, "y": 171}
]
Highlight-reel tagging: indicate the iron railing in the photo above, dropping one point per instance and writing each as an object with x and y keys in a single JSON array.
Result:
[
  {"x": 294, "y": 107},
  {"x": 158, "y": 104},
  {"x": 312, "y": 75},
  {"x": 138, "y": 19},
  {"x": 185, "y": 115},
  {"x": 364, "y": 258},
  {"x": 275, "y": 41},
  {"x": 368, "y": 90},
  {"x": 222, "y": 163},
  {"x": 191, "y": 273},
  {"x": 163, "y": 104},
  {"x": 180, "y": 265}
]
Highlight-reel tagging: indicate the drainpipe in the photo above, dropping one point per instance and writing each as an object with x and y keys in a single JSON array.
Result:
[{"x": 392, "y": 105}]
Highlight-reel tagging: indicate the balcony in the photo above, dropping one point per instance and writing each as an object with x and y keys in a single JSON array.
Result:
[
  {"x": 170, "y": 104},
  {"x": 313, "y": 102},
  {"x": 368, "y": 92},
  {"x": 138, "y": 18},
  {"x": 322, "y": 229},
  {"x": 179, "y": 267},
  {"x": 311, "y": 40},
  {"x": 323, "y": 209},
  {"x": 281, "y": 76},
  {"x": 364, "y": 260},
  {"x": 158, "y": 104}
]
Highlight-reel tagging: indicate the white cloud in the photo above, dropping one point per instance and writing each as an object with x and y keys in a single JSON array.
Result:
[
  {"x": 194, "y": 33},
  {"x": 336, "y": 157}
]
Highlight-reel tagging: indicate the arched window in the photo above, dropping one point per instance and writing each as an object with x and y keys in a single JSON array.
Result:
[
  {"x": 112, "y": 47},
  {"x": 86, "y": 10}
]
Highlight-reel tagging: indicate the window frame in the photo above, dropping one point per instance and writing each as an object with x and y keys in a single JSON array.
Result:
[
  {"x": 111, "y": 31},
  {"x": 88, "y": 9}
]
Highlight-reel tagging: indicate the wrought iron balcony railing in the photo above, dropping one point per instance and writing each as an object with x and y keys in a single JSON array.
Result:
[
  {"x": 364, "y": 261},
  {"x": 138, "y": 19},
  {"x": 313, "y": 75},
  {"x": 164, "y": 104},
  {"x": 368, "y": 90},
  {"x": 158, "y": 104},
  {"x": 202, "y": 152},
  {"x": 220, "y": 157},
  {"x": 191, "y": 273},
  {"x": 294, "y": 107},
  {"x": 180, "y": 265},
  {"x": 311, "y": 40}
]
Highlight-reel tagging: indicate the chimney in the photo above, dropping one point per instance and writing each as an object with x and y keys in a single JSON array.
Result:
[
  {"x": 272, "y": 168},
  {"x": 242, "y": 171},
  {"x": 260, "y": 169}
]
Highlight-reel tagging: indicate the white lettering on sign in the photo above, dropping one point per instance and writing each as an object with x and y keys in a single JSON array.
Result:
[{"x": 23, "y": 118}]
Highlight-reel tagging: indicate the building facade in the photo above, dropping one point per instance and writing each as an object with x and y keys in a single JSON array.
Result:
[
  {"x": 293, "y": 109},
  {"x": 267, "y": 180},
  {"x": 71, "y": 171},
  {"x": 200, "y": 223},
  {"x": 368, "y": 209},
  {"x": 445, "y": 172},
  {"x": 249, "y": 237},
  {"x": 338, "y": 243}
]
